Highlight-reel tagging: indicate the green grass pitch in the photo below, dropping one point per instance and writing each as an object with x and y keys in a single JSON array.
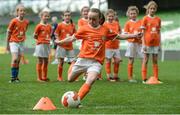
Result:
[{"x": 104, "y": 98}]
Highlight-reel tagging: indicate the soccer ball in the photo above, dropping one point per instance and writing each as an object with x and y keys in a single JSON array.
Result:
[{"x": 70, "y": 99}]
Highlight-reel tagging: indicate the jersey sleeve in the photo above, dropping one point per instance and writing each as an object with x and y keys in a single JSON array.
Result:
[
  {"x": 57, "y": 31},
  {"x": 119, "y": 28},
  {"x": 11, "y": 25},
  {"x": 126, "y": 28},
  {"x": 143, "y": 24},
  {"x": 80, "y": 33},
  {"x": 37, "y": 30},
  {"x": 111, "y": 34}
]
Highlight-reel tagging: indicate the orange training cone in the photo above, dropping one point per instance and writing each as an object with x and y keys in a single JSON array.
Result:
[
  {"x": 152, "y": 80},
  {"x": 44, "y": 104}
]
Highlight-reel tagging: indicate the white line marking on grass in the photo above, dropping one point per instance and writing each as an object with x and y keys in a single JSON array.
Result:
[{"x": 123, "y": 107}]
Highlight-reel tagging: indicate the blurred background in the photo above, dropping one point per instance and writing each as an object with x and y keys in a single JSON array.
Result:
[{"x": 168, "y": 10}]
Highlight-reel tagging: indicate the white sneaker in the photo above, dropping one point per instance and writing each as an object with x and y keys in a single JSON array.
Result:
[
  {"x": 55, "y": 61},
  {"x": 84, "y": 78},
  {"x": 144, "y": 81},
  {"x": 132, "y": 81}
]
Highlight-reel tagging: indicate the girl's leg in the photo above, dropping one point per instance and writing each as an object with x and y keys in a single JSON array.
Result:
[
  {"x": 60, "y": 69},
  {"x": 72, "y": 76},
  {"x": 15, "y": 66},
  {"x": 108, "y": 68},
  {"x": 39, "y": 68},
  {"x": 45, "y": 69},
  {"x": 85, "y": 88},
  {"x": 116, "y": 67},
  {"x": 23, "y": 59},
  {"x": 155, "y": 65},
  {"x": 144, "y": 67},
  {"x": 130, "y": 68}
]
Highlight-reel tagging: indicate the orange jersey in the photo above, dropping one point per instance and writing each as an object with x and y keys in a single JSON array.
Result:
[
  {"x": 152, "y": 26},
  {"x": 133, "y": 27},
  {"x": 17, "y": 29},
  {"x": 93, "y": 44},
  {"x": 43, "y": 33},
  {"x": 82, "y": 22},
  {"x": 113, "y": 27},
  {"x": 64, "y": 30}
]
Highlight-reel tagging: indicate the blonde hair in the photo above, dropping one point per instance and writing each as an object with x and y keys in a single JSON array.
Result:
[
  {"x": 66, "y": 11},
  {"x": 84, "y": 8},
  {"x": 17, "y": 9},
  {"x": 43, "y": 12},
  {"x": 130, "y": 8},
  {"x": 149, "y": 5},
  {"x": 110, "y": 11}
]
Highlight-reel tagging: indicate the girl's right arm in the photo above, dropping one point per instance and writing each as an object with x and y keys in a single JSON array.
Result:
[
  {"x": 66, "y": 40},
  {"x": 8, "y": 35}
]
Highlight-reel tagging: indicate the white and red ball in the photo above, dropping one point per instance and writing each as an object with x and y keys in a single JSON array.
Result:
[{"x": 70, "y": 99}]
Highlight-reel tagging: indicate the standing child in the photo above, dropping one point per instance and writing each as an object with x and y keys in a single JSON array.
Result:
[
  {"x": 92, "y": 53},
  {"x": 42, "y": 34},
  {"x": 15, "y": 40},
  {"x": 112, "y": 46},
  {"x": 151, "y": 25},
  {"x": 134, "y": 45},
  {"x": 64, "y": 30},
  {"x": 53, "y": 38},
  {"x": 84, "y": 16}
]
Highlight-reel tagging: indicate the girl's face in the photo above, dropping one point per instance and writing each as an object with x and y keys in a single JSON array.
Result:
[
  {"x": 85, "y": 13},
  {"x": 133, "y": 14},
  {"x": 67, "y": 17},
  {"x": 45, "y": 17},
  {"x": 152, "y": 10},
  {"x": 93, "y": 19},
  {"x": 110, "y": 17},
  {"x": 21, "y": 12}
]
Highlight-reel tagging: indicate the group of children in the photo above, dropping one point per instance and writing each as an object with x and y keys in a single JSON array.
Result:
[{"x": 99, "y": 41}]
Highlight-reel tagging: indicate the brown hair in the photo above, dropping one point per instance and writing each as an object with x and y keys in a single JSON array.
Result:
[
  {"x": 150, "y": 4},
  {"x": 95, "y": 10},
  {"x": 130, "y": 8},
  {"x": 84, "y": 8},
  {"x": 42, "y": 12}
]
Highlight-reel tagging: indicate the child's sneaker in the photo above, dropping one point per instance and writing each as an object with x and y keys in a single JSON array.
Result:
[
  {"x": 55, "y": 61},
  {"x": 111, "y": 79},
  {"x": 40, "y": 80},
  {"x": 160, "y": 81},
  {"x": 13, "y": 80},
  {"x": 17, "y": 80},
  {"x": 144, "y": 81},
  {"x": 132, "y": 81},
  {"x": 60, "y": 79},
  {"x": 46, "y": 80},
  {"x": 116, "y": 78}
]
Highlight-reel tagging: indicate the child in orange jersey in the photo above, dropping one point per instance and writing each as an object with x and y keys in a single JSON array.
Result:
[
  {"x": 151, "y": 26},
  {"x": 15, "y": 40},
  {"x": 84, "y": 16},
  {"x": 112, "y": 46},
  {"x": 92, "y": 53},
  {"x": 42, "y": 34},
  {"x": 134, "y": 45},
  {"x": 64, "y": 29}
]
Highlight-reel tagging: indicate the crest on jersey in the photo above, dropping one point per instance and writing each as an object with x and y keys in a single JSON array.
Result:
[{"x": 103, "y": 37}]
